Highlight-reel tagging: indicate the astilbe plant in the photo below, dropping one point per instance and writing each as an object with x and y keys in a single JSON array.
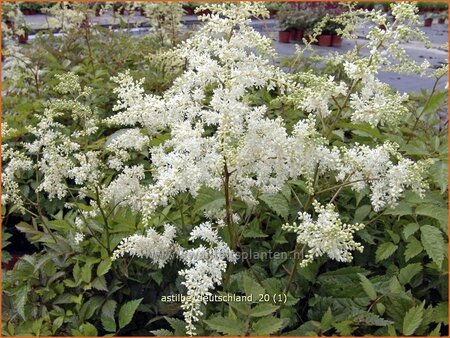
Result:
[{"x": 219, "y": 139}]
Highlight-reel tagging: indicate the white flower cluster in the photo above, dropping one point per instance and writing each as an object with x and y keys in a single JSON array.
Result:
[
  {"x": 374, "y": 167},
  {"x": 325, "y": 235},
  {"x": 61, "y": 156},
  {"x": 205, "y": 264},
  {"x": 158, "y": 248},
  {"x": 120, "y": 144},
  {"x": 204, "y": 272},
  {"x": 317, "y": 92},
  {"x": 14, "y": 162}
]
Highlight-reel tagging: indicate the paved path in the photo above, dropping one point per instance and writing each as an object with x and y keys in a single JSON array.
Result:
[{"x": 437, "y": 33}]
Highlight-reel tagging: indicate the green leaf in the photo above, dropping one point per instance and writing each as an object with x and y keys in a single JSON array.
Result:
[
  {"x": 57, "y": 324},
  {"x": 225, "y": 325},
  {"x": 209, "y": 199},
  {"x": 368, "y": 287},
  {"x": 326, "y": 320},
  {"x": 254, "y": 230},
  {"x": 86, "y": 273},
  {"x": 104, "y": 267},
  {"x": 99, "y": 283},
  {"x": 410, "y": 229},
  {"x": 178, "y": 325},
  {"x": 433, "y": 242},
  {"x": 21, "y": 299},
  {"x": 412, "y": 320},
  {"x": 344, "y": 328},
  {"x": 435, "y": 102},
  {"x": 109, "y": 308},
  {"x": 413, "y": 248},
  {"x": 408, "y": 272},
  {"x": 362, "y": 212},
  {"x": 391, "y": 330},
  {"x": 435, "y": 212},
  {"x": 251, "y": 287},
  {"x": 266, "y": 326},
  {"x": 436, "y": 332},
  {"x": 385, "y": 251},
  {"x": 162, "y": 333},
  {"x": 402, "y": 209},
  {"x": 439, "y": 172},
  {"x": 277, "y": 203},
  {"x": 89, "y": 330},
  {"x": 263, "y": 309},
  {"x": 109, "y": 324},
  {"x": 127, "y": 311},
  {"x": 440, "y": 313}
]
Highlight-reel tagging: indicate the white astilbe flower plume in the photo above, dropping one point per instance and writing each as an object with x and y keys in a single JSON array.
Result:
[
  {"x": 326, "y": 235},
  {"x": 205, "y": 267},
  {"x": 158, "y": 248}
]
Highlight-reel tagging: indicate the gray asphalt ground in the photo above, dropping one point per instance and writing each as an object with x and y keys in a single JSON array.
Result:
[{"x": 437, "y": 33}]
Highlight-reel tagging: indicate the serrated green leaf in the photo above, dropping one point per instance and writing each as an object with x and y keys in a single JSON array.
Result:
[
  {"x": 251, "y": 287},
  {"x": 209, "y": 199},
  {"x": 362, "y": 212},
  {"x": 385, "y": 251},
  {"x": 177, "y": 325},
  {"x": 277, "y": 203},
  {"x": 162, "y": 333},
  {"x": 435, "y": 102},
  {"x": 433, "y": 243},
  {"x": 266, "y": 326},
  {"x": 109, "y": 308},
  {"x": 327, "y": 318},
  {"x": 408, "y": 272},
  {"x": 109, "y": 324},
  {"x": 21, "y": 297},
  {"x": 413, "y": 248},
  {"x": 86, "y": 273},
  {"x": 368, "y": 287},
  {"x": 225, "y": 325},
  {"x": 434, "y": 211},
  {"x": 373, "y": 319},
  {"x": 127, "y": 311},
  {"x": 57, "y": 324},
  {"x": 410, "y": 229},
  {"x": 344, "y": 328},
  {"x": 440, "y": 313},
  {"x": 439, "y": 171},
  {"x": 254, "y": 230},
  {"x": 263, "y": 309},
  {"x": 412, "y": 320},
  {"x": 104, "y": 267},
  {"x": 436, "y": 331},
  {"x": 391, "y": 331},
  {"x": 99, "y": 283},
  {"x": 88, "y": 329}
]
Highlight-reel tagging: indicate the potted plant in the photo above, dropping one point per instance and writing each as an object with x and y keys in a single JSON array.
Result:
[
  {"x": 428, "y": 19},
  {"x": 324, "y": 39},
  {"x": 302, "y": 23},
  {"x": 442, "y": 17},
  {"x": 336, "y": 39},
  {"x": 285, "y": 24}
]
